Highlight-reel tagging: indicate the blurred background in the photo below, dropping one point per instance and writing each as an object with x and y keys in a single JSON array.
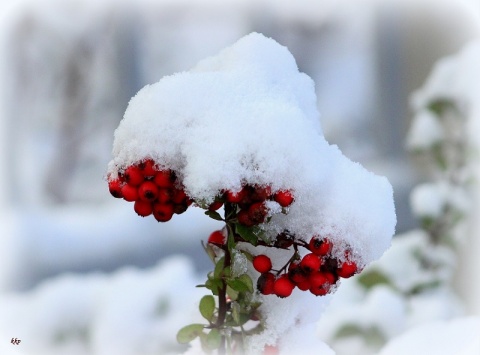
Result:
[{"x": 67, "y": 72}]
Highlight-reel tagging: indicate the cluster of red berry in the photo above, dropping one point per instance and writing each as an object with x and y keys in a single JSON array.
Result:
[
  {"x": 251, "y": 201},
  {"x": 316, "y": 272},
  {"x": 153, "y": 191}
]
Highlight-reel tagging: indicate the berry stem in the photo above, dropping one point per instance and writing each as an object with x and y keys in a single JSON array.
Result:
[{"x": 222, "y": 292}]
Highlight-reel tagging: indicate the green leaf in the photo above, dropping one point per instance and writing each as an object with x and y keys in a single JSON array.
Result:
[
  {"x": 209, "y": 250},
  {"x": 232, "y": 293},
  {"x": 241, "y": 284},
  {"x": 219, "y": 266},
  {"x": 189, "y": 332},
  {"x": 369, "y": 279},
  {"x": 247, "y": 255},
  {"x": 214, "y": 215},
  {"x": 207, "y": 307},
  {"x": 213, "y": 285},
  {"x": 238, "y": 321},
  {"x": 439, "y": 106},
  {"x": 214, "y": 339},
  {"x": 247, "y": 281},
  {"x": 373, "y": 335},
  {"x": 230, "y": 242},
  {"x": 247, "y": 234},
  {"x": 236, "y": 312}
]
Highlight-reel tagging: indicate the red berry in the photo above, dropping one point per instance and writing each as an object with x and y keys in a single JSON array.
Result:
[
  {"x": 310, "y": 263},
  {"x": 283, "y": 287},
  {"x": 236, "y": 197},
  {"x": 319, "y": 284},
  {"x": 162, "y": 212},
  {"x": 143, "y": 208},
  {"x": 244, "y": 218},
  {"x": 179, "y": 196},
  {"x": 215, "y": 205},
  {"x": 265, "y": 283},
  {"x": 260, "y": 193},
  {"x": 217, "y": 237},
  {"x": 270, "y": 350},
  {"x": 148, "y": 168},
  {"x": 348, "y": 269},
  {"x": 304, "y": 285},
  {"x": 320, "y": 246},
  {"x": 257, "y": 212},
  {"x": 332, "y": 279},
  {"x": 179, "y": 208},
  {"x": 129, "y": 193},
  {"x": 284, "y": 240},
  {"x": 133, "y": 175},
  {"x": 284, "y": 198},
  {"x": 296, "y": 273},
  {"x": 262, "y": 263},
  {"x": 148, "y": 191},
  {"x": 164, "y": 179},
  {"x": 164, "y": 195},
  {"x": 115, "y": 187}
]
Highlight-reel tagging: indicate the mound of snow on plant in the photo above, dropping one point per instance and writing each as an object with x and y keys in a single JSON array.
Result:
[{"x": 248, "y": 116}]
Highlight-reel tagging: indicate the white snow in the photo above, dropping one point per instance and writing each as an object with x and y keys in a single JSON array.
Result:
[
  {"x": 460, "y": 336},
  {"x": 130, "y": 312},
  {"x": 431, "y": 199},
  {"x": 425, "y": 131}
]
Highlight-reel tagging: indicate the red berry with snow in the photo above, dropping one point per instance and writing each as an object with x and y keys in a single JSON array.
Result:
[
  {"x": 284, "y": 240},
  {"x": 320, "y": 246},
  {"x": 236, "y": 197},
  {"x": 348, "y": 269},
  {"x": 284, "y": 198},
  {"x": 319, "y": 284},
  {"x": 265, "y": 283},
  {"x": 133, "y": 175},
  {"x": 143, "y": 208},
  {"x": 283, "y": 287},
  {"x": 148, "y": 168},
  {"x": 115, "y": 188},
  {"x": 148, "y": 191},
  {"x": 164, "y": 179},
  {"x": 262, "y": 263},
  {"x": 260, "y": 193},
  {"x": 257, "y": 212}
]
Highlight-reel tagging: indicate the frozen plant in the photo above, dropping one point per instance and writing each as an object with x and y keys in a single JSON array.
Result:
[{"x": 239, "y": 136}]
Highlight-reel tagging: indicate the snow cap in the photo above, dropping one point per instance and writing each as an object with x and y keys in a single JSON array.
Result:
[{"x": 247, "y": 115}]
